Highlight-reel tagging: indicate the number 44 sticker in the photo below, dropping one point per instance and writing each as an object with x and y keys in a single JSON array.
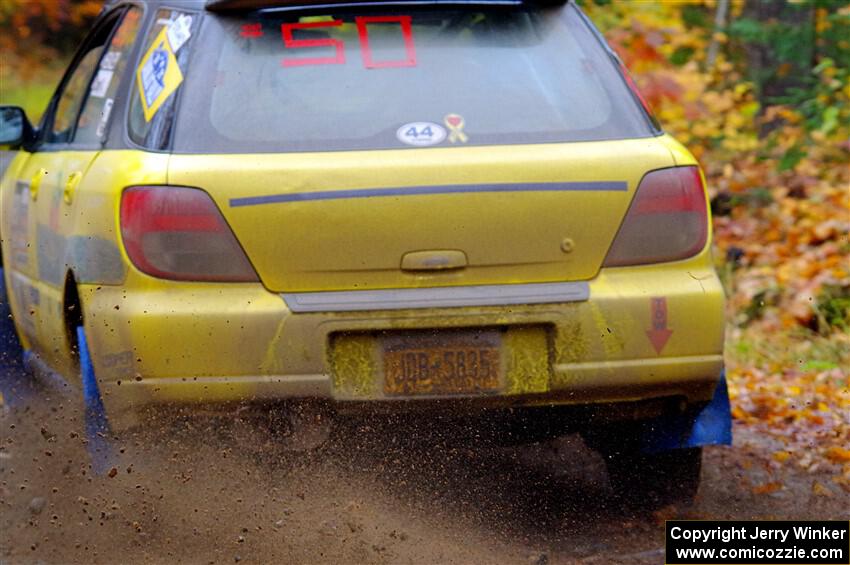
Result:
[{"x": 421, "y": 134}]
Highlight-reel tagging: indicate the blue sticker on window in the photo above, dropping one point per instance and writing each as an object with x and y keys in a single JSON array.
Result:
[{"x": 153, "y": 74}]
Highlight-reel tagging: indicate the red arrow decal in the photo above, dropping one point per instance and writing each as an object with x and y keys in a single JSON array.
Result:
[{"x": 659, "y": 334}]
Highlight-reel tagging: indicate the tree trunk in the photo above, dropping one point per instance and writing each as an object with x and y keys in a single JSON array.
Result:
[{"x": 719, "y": 24}]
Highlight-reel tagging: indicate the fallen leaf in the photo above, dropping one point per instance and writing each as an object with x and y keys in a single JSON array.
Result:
[
  {"x": 767, "y": 488},
  {"x": 838, "y": 454},
  {"x": 819, "y": 490}
]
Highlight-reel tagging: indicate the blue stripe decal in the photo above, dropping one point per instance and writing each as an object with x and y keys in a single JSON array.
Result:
[{"x": 603, "y": 186}]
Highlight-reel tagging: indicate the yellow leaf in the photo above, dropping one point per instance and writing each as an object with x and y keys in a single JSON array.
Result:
[
  {"x": 820, "y": 490},
  {"x": 767, "y": 488},
  {"x": 838, "y": 455}
]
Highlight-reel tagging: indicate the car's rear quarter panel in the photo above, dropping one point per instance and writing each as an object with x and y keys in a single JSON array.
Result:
[{"x": 91, "y": 251}]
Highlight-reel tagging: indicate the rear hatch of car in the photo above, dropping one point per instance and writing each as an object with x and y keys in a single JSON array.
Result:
[
  {"x": 361, "y": 220},
  {"x": 389, "y": 147}
]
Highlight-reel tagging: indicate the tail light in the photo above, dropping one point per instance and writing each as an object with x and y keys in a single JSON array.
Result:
[
  {"x": 666, "y": 221},
  {"x": 178, "y": 233}
]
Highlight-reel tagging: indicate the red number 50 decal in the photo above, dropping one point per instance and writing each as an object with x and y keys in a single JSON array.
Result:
[{"x": 365, "y": 49}]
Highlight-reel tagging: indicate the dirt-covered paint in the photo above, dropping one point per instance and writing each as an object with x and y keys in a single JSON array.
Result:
[
  {"x": 527, "y": 357},
  {"x": 612, "y": 342},
  {"x": 353, "y": 365}
]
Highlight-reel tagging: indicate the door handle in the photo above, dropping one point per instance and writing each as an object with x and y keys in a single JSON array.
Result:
[
  {"x": 71, "y": 186},
  {"x": 35, "y": 182}
]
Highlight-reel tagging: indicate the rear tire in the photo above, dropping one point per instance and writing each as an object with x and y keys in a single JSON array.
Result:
[{"x": 654, "y": 480}]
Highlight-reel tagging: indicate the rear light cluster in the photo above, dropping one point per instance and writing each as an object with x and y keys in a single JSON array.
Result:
[
  {"x": 178, "y": 233},
  {"x": 666, "y": 221}
]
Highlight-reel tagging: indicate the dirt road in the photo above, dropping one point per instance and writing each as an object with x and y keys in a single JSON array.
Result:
[{"x": 213, "y": 493}]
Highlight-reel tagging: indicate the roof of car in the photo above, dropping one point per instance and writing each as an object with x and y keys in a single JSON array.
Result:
[
  {"x": 243, "y": 5},
  {"x": 191, "y": 4},
  {"x": 251, "y": 5}
]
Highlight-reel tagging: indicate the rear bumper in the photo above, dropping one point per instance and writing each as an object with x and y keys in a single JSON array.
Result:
[{"x": 156, "y": 342}]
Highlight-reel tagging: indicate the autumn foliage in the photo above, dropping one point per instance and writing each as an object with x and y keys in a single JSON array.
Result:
[
  {"x": 39, "y": 34},
  {"x": 776, "y": 155}
]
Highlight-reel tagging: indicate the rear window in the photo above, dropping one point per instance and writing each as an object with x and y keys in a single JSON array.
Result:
[{"x": 384, "y": 78}]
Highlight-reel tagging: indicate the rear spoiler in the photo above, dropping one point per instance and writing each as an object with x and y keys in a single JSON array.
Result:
[{"x": 252, "y": 5}]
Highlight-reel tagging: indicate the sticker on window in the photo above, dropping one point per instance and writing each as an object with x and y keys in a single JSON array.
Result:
[
  {"x": 179, "y": 31},
  {"x": 456, "y": 123},
  {"x": 110, "y": 60},
  {"x": 421, "y": 134},
  {"x": 100, "y": 84},
  {"x": 104, "y": 117},
  {"x": 336, "y": 56},
  {"x": 158, "y": 75}
]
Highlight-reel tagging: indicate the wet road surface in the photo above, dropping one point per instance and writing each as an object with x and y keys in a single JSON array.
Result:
[{"x": 203, "y": 491}]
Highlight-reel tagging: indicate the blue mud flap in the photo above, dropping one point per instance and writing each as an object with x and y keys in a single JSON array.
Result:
[
  {"x": 710, "y": 426},
  {"x": 16, "y": 386},
  {"x": 10, "y": 347},
  {"x": 98, "y": 432}
]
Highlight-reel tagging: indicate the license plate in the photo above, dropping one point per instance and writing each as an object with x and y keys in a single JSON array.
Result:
[{"x": 445, "y": 363}]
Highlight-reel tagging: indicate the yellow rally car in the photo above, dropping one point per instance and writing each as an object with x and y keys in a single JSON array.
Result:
[{"x": 396, "y": 205}]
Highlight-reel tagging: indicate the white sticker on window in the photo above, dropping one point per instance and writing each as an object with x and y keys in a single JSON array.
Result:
[
  {"x": 110, "y": 60},
  {"x": 100, "y": 84},
  {"x": 421, "y": 134},
  {"x": 179, "y": 31},
  {"x": 104, "y": 117}
]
